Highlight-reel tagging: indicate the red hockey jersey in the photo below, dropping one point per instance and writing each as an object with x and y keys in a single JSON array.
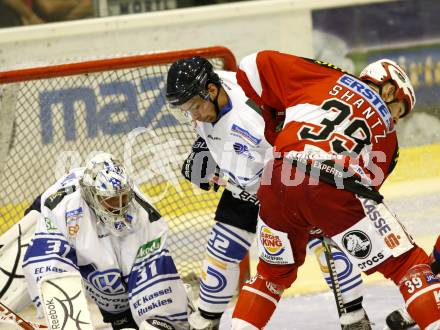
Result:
[{"x": 321, "y": 109}]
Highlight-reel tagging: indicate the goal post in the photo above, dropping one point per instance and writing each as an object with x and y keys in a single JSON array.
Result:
[
  {"x": 217, "y": 53},
  {"x": 61, "y": 115}
]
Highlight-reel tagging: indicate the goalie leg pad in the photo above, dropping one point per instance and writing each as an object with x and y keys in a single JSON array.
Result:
[
  {"x": 13, "y": 245},
  {"x": 421, "y": 292},
  {"x": 227, "y": 246},
  {"x": 349, "y": 277},
  {"x": 64, "y": 301},
  {"x": 256, "y": 303}
]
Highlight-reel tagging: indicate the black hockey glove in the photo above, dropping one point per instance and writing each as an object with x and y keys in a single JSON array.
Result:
[
  {"x": 436, "y": 267},
  {"x": 36, "y": 205},
  {"x": 200, "y": 166},
  {"x": 119, "y": 321}
]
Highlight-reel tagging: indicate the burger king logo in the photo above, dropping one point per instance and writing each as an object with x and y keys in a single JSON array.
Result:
[{"x": 271, "y": 242}]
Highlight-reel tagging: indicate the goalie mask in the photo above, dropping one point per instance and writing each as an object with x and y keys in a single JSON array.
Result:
[
  {"x": 384, "y": 70},
  {"x": 107, "y": 190}
]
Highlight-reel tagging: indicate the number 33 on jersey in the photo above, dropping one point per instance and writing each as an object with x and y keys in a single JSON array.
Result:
[{"x": 326, "y": 109}]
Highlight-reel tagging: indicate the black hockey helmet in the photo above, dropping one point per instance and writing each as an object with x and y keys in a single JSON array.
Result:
[{"x": 189, "y": 77}]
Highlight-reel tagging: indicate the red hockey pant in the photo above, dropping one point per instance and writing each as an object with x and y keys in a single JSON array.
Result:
[{"x": 295, "y": 209}]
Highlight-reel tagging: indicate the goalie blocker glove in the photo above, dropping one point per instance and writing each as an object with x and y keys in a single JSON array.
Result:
[{"x": 200, "y": 166}]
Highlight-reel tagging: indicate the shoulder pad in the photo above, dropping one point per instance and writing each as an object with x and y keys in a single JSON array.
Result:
[
  {"x": 153, "y": 214},
  {"x": 53, "y": 200},
  {"x": 327, "y": 65}
]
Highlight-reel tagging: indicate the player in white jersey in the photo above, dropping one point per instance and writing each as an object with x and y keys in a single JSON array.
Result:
[
  {"x": 95, "y": 222},
  {"x": 230, "y": 132}
]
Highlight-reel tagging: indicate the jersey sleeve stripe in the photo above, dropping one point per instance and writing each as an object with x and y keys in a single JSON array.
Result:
[
  {"x": 148, "y": 284},
  {"x": 35, "y": 260}
]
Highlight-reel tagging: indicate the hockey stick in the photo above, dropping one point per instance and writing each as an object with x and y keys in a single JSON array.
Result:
[
  {"x": 333, "y": 276},
  {"x": 8, "y": 316}
]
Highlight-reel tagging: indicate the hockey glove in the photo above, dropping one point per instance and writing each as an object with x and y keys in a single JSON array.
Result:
[
  {"x": 119, "y": 321},
  {"x": 200, "y": 166},
  {"x": 274, "y": 121}
]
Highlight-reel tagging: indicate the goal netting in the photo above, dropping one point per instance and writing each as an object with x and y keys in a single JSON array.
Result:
[{"x": 56, "y": 117}]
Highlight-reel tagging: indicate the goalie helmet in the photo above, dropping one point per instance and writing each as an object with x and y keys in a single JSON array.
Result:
[
  {"x": 385, "y": 70},
  {"x": 188, "y": 78},
  {"x": 107, "y": 190}
]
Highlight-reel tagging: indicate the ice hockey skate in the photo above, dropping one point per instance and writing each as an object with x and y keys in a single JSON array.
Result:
[
  {"x": 400, "y": 320},
  {"x": 198, "y": 322},
  {"x": 357, "y": 320}
]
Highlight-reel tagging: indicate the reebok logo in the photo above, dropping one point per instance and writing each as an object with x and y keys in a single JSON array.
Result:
[
  {"x": 160, "y": 324},
  {"x": 52, "y": 315}
]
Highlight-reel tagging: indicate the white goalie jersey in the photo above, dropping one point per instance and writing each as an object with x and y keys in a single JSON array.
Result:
[
  {"x": 236, "y": 141},
  {"x": 133, "y": 272}
]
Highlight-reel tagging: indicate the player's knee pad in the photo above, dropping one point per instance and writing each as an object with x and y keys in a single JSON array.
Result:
[
  {"x": 226, "y": 247},
  {"x": 421, "y": 292},
  {"x": 349, "y": 277},
  {"x": 375, "y": 238},
  {"x": 256, "y": 303}
]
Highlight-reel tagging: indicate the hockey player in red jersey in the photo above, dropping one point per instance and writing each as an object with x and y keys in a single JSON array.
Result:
[
  {"x": 226, "y": 120},
  {"x": 334, "y": 142}
]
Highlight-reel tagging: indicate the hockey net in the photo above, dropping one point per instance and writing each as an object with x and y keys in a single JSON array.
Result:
[{"x": 56, "y": 117}]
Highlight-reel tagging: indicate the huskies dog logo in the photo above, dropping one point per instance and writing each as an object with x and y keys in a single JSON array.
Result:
[{"x": 357, "y": 243}]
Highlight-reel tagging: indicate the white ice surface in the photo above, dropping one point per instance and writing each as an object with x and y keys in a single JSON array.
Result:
[{"x": 318, "y": 311}]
